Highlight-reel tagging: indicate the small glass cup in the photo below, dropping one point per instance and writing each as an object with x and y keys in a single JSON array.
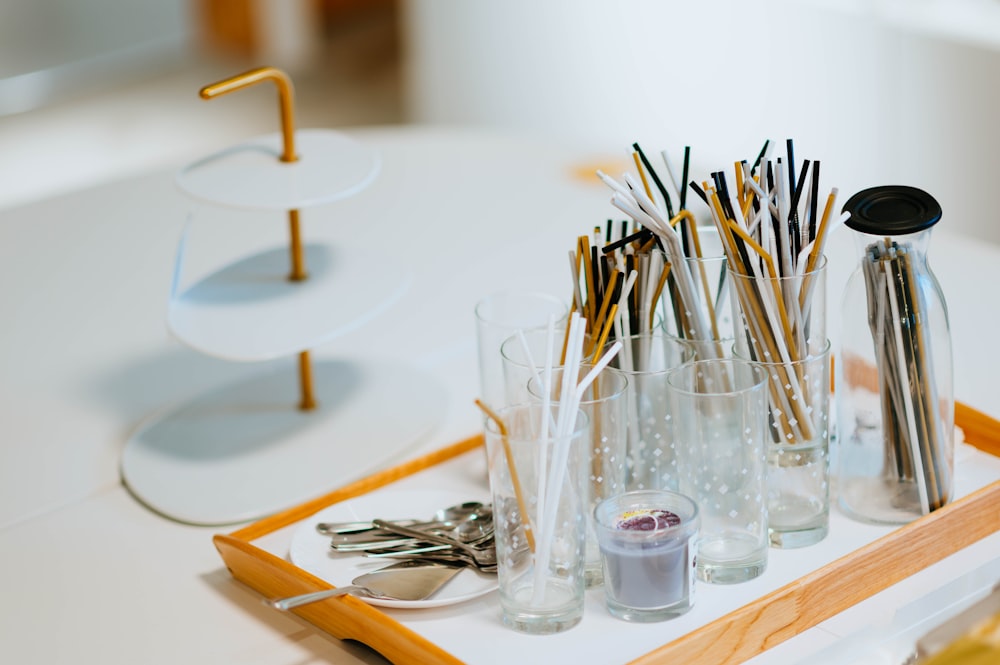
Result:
[
  {"x": 537, "y": 482},
  {"x": 498, "y": 317},
  {"x": 645, "y": 360},
  {"x": 649, "y": 543},
  {"x": 605, "y": 402},
  {"x": 720, "y": 429},
  {"x": 798, "y": 450}
]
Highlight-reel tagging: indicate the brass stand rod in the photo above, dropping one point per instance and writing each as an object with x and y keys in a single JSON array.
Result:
[
  {"x": 308, "y": 402},
  {"x": 298, "y": 258},
  {"x": 287, "y": 109}
]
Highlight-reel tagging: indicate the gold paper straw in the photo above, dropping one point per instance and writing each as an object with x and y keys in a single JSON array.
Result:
[
  {"x": 642, "y": 174},
  {"x": 605, "y": 331},
  {"x": 602, "y": 316},
  {"x": 515, "y": 481},
  {"x": 590, "y": 308},
  {"x": 565, "y": 342},
  {"x": 659, "y": 290}
]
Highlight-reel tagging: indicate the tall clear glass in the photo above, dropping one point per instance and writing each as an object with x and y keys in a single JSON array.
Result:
[
  {"x": 537, "y": 481},
  {"x": 720, "y": 431},
  {"x": 606, "y": 404},
  {"x": 798, "y": 450},
  {"x": 645, "y": 360}
]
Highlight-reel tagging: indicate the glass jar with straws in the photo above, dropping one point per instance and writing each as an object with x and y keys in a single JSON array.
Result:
[{"x": 894, "y": 391}]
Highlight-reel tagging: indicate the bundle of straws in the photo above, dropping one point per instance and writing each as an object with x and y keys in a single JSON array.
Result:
[
  {"x": 914, "y": 434},
  {"x": 654, "y": 258},
  {"x": 555, "y": 436},
  {"x": 770, "y": 228}
]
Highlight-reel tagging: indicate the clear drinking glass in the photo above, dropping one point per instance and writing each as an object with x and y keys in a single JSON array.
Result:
[
  {"x": 782, "y": 326},
  {"x": 606, "y": 404},
  {"x": 720, "y": 430},
  {"x": 798, "y": 450},
  {"x": 499, "y": 316},
  {"x": 538, "y": 484},
  {"x": 645, "y": 361}
]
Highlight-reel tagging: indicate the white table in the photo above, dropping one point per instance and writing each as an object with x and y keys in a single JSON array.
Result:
[{"x": 91, "y": 576}]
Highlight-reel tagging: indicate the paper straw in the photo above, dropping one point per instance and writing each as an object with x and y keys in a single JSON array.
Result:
[
  {"x": 574, "y": 267},
  {"x": 672, "y": 247},
  {"x": 907, "y": 403},
  {"x": 549, "y": 498},
  {"x": 557, "y": 475},
  {"x": 512, "y": 467}
]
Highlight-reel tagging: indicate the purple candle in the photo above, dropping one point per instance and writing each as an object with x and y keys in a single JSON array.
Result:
[{"x": 648, "y": 542}]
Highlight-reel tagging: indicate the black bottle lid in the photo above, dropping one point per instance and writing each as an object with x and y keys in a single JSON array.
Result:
[{"x": 892, "y": 210}]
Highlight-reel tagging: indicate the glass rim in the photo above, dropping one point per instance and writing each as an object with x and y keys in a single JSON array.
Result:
[
  {"x": 539, "y": 295},
  {"x": 614, "y": 371},
  {"x": 819, "y": 268},
  {"x": 810, "y": 357},
  {"x": 491, "y": 426},
  {"x": 657, "y": 333},
  {"x": 759, "y": 374},
  {"x": 514, "y": 342}
]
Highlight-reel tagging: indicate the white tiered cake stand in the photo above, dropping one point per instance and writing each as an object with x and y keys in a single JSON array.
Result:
[{"x": 241, "y": 452}]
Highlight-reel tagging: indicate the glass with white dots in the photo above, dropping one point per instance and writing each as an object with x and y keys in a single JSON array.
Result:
[
  {"x": 537, "y": 481},
  {"x": 798, "y": 450},
  {"x": 605, "y": 403},
  {"x": 720, "y": 433}
]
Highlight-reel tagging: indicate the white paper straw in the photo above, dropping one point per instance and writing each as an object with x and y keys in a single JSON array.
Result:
[
  {"x": 549, "y": 494},
  {"x": 557, "y": 473},
  {"x": 672, "y": 247},
  {"x": 612, "y": 183},
  {"x": 918, "y": 463}
]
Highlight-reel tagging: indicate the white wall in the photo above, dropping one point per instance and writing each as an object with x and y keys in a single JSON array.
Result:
[{"x": 891, "y": 91}]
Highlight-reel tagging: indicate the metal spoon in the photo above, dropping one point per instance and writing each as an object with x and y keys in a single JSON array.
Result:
[
  {"x": 444, "y": 516},
  {"x": 471, "y": 531},
  {"x": 406, "y": 580},
  {"x": 486, "y": 556},
  {"x": 431, "y": 555}
]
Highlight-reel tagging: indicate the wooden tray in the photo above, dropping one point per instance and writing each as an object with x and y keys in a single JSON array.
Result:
[{"x": 734, "y": 638}]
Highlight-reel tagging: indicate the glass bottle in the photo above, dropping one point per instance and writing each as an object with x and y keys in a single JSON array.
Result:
[{"x": 894, "y": 382}]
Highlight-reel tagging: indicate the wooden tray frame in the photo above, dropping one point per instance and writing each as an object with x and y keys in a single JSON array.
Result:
[{"x": 733, "y": 638}]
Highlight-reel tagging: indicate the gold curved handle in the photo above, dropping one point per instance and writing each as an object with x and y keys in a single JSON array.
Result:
[{"x": 286, "y": 100}]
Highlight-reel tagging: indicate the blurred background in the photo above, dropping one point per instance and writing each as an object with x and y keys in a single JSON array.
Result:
[{"x": 881, "y": 91}]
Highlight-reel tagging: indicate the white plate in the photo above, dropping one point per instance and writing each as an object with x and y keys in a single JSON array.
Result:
[{"x": 311, "y": 551}]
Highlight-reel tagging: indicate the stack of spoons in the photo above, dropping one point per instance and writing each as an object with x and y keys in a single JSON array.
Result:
[
  {"x": 428, "y": 553},
  {"x": 460, "y": 534}
]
